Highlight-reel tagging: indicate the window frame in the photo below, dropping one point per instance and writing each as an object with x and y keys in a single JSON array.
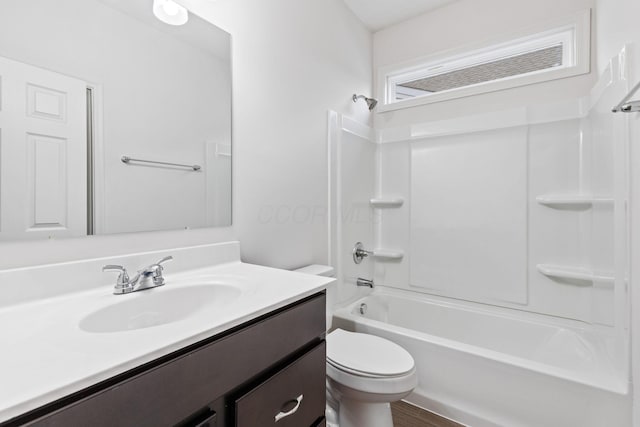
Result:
[{"x": 574, "y": 33}]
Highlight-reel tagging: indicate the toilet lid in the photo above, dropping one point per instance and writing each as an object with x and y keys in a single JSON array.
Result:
[{"x": 366, "y": 354}]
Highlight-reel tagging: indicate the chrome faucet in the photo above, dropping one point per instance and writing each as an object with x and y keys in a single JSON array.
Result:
[
  {"x": 364, "y": 282},
  {"x": 147, "y": 278}
]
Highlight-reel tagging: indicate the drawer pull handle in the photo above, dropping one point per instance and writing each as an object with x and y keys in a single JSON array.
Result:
[{"x": 282, "y": 415}]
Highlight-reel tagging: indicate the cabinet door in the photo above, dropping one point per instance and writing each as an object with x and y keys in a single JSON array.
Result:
[{"x": 294, "y": 397}]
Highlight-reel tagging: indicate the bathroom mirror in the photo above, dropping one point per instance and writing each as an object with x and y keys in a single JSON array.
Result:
[{"x": 111, "y": 121}]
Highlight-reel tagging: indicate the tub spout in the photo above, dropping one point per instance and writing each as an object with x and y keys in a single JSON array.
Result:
[{"x": 364, "y": 282}]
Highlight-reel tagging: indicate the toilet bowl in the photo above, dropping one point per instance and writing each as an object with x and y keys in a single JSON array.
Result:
[{"x": 365, "y": 373}]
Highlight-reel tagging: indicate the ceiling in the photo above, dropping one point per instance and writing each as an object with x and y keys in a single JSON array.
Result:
[
  {"x": 379, "y": 14},
  {"x": 197, "y": 32}
]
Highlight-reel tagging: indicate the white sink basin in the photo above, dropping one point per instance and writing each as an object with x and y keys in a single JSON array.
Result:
[{"x": 154, "y": 307}]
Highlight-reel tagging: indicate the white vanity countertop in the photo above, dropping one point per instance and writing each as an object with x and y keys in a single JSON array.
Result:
[{"x": 46, "y": 355}]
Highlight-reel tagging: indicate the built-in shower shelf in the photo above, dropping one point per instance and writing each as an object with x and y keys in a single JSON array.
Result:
[
  {"x": 574, "y": 273},
  {"x": 386, "y": 202},
  {"x": 389, "y": 255},
  {"x": 574, "y": 200}
]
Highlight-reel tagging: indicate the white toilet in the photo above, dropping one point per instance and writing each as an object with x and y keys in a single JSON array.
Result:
[{"x": 365, "y": 373}]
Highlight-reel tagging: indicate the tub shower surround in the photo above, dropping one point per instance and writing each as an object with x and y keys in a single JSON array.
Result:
[{"x": 510, "y": 286}]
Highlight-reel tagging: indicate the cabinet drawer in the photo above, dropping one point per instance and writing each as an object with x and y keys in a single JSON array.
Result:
[{"x": 294, "y": 397}]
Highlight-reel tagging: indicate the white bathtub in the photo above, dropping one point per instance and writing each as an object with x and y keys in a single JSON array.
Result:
[{"x": 487, "y": 367}]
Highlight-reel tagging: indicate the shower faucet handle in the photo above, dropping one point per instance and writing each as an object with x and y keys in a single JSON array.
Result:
[{"x": 360, "y": 253}]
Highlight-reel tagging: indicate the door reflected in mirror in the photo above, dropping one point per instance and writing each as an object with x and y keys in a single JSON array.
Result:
[{"x": 111, "y": 121}]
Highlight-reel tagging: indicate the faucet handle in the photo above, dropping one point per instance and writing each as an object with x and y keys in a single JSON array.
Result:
[
  {"x": 165, "y": 259},
  {"x": 359, "y": 253},
  {"x": 157, "y": 269},
  {"x": 123, "y": 277}
]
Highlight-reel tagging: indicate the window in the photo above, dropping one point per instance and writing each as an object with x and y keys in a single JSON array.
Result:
[{"x": 551, "y": 54}]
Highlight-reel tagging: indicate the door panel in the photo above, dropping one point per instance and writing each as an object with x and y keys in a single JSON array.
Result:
[
  {"x": 43, "y": 153},
  {"x": 47, "y": 182}
]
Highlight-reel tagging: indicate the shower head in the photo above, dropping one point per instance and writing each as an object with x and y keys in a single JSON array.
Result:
[{"x": 371, "y": 102}]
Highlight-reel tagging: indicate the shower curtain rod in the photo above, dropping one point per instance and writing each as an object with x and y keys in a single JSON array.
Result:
[{"x": 631, "y": 106}]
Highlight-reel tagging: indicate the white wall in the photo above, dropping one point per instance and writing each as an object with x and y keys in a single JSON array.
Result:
[
  {"x": 617, "y": 24},
  {"x": 161, "y": 99},
  {"x": 292, "y": 61},
  {"x": 469, "y": 23}
]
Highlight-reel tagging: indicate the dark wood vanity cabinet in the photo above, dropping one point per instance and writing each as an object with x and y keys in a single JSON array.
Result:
[{"x": 272, "y": 367}]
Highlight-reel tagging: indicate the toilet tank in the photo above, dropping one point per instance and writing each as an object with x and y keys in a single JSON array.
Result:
[{"x": 326, "y": 271}]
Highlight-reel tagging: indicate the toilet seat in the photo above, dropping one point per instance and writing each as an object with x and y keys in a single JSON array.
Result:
[
  {"x": 367, "y": 356},
  {"x": 357, "y": 373}
]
